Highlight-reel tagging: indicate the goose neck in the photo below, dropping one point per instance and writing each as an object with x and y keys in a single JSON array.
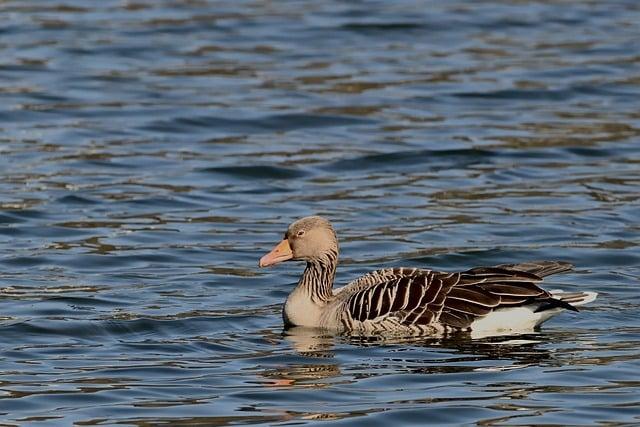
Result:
[{"x": 317, "y": 279}]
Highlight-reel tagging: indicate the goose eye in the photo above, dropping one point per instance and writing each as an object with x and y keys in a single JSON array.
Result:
[{"x": 300, "y": 233}]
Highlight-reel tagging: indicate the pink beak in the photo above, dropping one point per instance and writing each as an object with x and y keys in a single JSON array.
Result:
[{"x": 280, "y": 253}]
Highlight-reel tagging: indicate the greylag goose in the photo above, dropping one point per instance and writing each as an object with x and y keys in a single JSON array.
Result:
[{"x": 412, "y": 301}]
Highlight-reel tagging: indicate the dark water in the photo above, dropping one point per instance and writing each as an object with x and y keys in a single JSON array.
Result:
[{"x": 152, "y": 151}]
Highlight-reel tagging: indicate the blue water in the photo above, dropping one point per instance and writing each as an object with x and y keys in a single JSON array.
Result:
[{"x": 151, "y": 152}]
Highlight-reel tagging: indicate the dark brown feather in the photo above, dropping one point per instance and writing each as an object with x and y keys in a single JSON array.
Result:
[
  {"x": 455, "y": 320},
  {"x": 401, "y": 294},
  {"x": 453, "y": 299},
  {"x": 415, "y": 292},
  {"x": 513, "y": 300},
  {"x": 513, "y": 288},
  {"x": 501, "y": 273},
  {"x": 377, "y": 293},
  {"x": 539, "y": 268},
  {"x": 475, "y": 294},
  {"x": 467, "y": 307},
  {"x": 384, "y": 303}
]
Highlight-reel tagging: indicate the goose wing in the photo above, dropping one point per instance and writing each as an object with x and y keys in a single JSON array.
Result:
[{"x": 426, "y": 297}]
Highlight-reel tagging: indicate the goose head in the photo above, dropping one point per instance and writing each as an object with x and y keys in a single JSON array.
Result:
[{"x": 310, "y": 239}]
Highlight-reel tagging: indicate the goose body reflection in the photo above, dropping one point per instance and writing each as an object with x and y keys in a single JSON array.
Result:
[
  {"x": 446, "y": 354},
  {"x": 414, "y": 301}
]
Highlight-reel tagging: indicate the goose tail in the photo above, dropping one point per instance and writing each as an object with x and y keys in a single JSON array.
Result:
[{"x": 575, "y": 299}]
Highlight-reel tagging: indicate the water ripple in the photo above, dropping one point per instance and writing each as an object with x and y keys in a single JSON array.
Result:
[{"x": 151, "y": 152}]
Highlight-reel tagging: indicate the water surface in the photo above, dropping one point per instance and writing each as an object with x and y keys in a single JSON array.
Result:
[{"x": 151, "y": 152}]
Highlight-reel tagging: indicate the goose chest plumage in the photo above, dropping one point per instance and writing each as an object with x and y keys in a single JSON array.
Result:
[{"x": 414, "y": 300}]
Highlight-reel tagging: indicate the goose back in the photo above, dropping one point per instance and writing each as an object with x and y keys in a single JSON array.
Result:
[{"x": 418, "y": 298}]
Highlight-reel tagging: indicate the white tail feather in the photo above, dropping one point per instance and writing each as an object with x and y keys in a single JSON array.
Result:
[
  {"x": 575, "y": 298},
  {"x": 525, "y": 318}
]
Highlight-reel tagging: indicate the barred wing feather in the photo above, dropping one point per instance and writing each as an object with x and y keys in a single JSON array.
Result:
[
  {"x": 416, "y": 298},
  {"x": 425, "y": 297}
]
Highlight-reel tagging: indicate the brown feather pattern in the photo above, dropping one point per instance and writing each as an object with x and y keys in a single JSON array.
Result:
[{"x": 426, "y": 297}]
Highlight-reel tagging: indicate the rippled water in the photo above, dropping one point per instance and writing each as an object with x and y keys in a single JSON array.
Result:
[{"x": 151, "y": 152}]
